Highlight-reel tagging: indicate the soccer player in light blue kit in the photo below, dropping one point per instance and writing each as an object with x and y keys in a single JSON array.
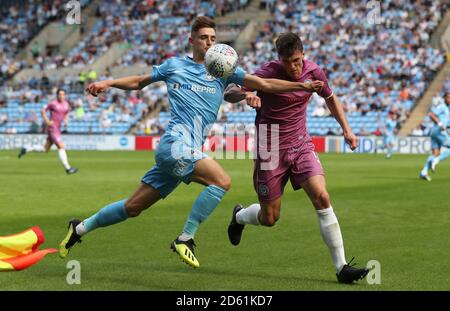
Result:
[
  {"x": 440, "y": 115},
  {"x": 194, "y": 100},
  {"x": 389, "y": 133}
]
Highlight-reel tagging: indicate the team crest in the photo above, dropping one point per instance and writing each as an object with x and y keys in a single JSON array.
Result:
[
  {"x": 195, "y": 154},
  {"x": 209, "y": 77},
  {"x": 263, "y": 190}
]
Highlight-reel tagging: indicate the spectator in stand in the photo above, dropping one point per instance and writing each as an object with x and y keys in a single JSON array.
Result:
[
  {"x": 3, "y": 119},
  {"x": 418, "y": 130},
  {"x": 363, "y": 132}
]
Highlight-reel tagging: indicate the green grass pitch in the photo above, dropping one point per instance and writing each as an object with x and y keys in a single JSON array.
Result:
[{"x": 386, "y": 213}]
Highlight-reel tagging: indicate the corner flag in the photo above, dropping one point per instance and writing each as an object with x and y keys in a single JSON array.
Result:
[{"x": 20, "y": 251}]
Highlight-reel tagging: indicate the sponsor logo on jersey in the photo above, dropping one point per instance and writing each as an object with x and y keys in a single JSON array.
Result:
[{"x": 194, "y": 87}]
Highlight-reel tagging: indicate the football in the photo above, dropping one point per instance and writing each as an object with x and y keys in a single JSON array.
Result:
[{"x": 221, "y": 61}]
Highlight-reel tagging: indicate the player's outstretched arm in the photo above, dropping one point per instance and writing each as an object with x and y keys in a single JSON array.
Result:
[
  {"x": 235, "y": 94},
  {"x": 47, "y": 121},
  {"x": 66, "y": 120},
  {"x": 126, "y": 83},
  {"x": 278, "y": 86},
  {"x": 337, "y": 111}
]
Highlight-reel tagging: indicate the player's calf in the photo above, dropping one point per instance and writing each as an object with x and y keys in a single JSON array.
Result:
[
  {"x": 268, "y": 220},
  {"x": 434, "y": 163}
]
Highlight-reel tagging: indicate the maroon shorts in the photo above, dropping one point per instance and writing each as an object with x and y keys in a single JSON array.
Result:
[
  {"x": 297, "y": 164},
  {"x": 54, "y": 136}
]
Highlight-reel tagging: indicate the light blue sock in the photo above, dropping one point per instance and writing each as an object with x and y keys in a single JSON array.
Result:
[
  {"x": 426, "y": 166},
  {"x": 109, "y": 215},
  {"x": 389, "y": 152},
  {"x": 204, "y": 205},
  {"x": 444, "y": 155}
]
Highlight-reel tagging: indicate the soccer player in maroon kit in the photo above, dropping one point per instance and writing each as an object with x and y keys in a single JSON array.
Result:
[
  {"x": 59, "y": 109},
  {"x": 291, "y": 154}
]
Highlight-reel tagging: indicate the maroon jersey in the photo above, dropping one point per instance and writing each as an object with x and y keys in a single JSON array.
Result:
[
  {"x": 58, "y": 111},
  {"x": 288, "y": 110}
]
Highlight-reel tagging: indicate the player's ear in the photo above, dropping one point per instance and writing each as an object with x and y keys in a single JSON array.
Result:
[{"x": 191, "y": 40}]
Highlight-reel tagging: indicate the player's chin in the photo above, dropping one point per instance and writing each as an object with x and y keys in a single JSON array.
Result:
[{"x": 295, "y": 75}]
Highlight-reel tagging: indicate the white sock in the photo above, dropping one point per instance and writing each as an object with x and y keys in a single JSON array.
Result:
[
  {"x": 331, "y": 234},
  {"x": 185, "y": 237},
  {"x": 63, "y": 157},
  {"x": 80, "y": 229},
  {"x": 35, "y": 148},
  {"x": 249, "y": 215}
]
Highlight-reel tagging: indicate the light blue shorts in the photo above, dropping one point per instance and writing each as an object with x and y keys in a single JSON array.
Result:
[
  {"x": 175, "y": 163},
  {"x": 439, "y": 139}
]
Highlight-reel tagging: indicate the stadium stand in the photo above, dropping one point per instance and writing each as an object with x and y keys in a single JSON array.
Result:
[
  {"x": 20, "y": 21},
  {"x": 372, "y": 68},
  {"x": 370, "y": 78},
  {"x": 118, "y": 21}
]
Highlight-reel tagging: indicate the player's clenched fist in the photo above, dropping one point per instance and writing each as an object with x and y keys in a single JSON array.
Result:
[
  {"x": 253, "y": 100},
  {"x": 315, "y": 86},
  {"x": 351, "y": 140},
  {"x": 97, "y": 87}
]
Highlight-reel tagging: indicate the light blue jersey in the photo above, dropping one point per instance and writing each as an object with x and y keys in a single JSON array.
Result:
[
  {"x": 440, "y": 137},
  {"x": 194, "y": 101},
  {"x": 442, "y": 113},
  {"x": 390, "y": 126},
  {"x": 194, "y": 96}
]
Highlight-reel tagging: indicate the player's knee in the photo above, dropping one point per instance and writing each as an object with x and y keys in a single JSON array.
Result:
[
  {"x": 322, "y": 200},
  {"x": 224, "y": 182},
  {"x": 133, "y": 212}
]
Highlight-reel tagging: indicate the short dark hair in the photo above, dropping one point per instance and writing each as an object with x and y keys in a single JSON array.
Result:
[
  {"x": 202, "y": 22},
  {"x": 288, "y": 43},
  {"x": 59, "y": 90}
]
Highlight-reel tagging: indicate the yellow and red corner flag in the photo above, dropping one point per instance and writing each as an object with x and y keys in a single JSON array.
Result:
[{"x": 20, "y": 251}]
